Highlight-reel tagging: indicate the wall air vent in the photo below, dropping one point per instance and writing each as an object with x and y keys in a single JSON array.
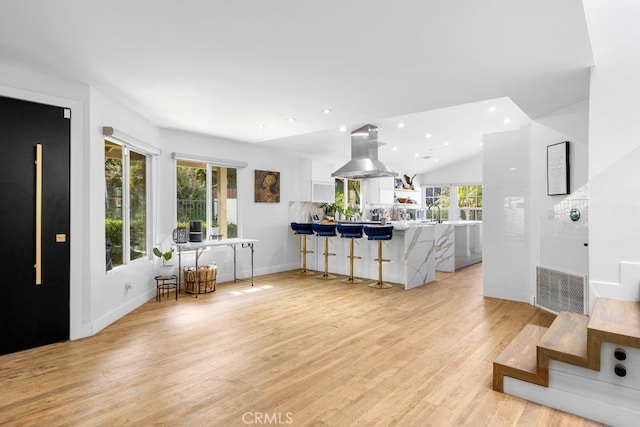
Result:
[{"x": 558, "y": 291}]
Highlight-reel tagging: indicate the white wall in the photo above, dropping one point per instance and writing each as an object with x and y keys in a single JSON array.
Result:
[
  {"x": 110, "y": 300},
  {"x": 97, "y": 297},
  {"x": 558, "y": 242},
  {"x": 277, "y": 249},
  {"x": 464, "y": 172},
  {"x": 519, "y": 233},
  {"x": 507, "y": 267},
  {"x": 614, "y": 138}
]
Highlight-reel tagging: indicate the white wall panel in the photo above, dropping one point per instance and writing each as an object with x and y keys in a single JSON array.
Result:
[{"x": 506, "y": 218}]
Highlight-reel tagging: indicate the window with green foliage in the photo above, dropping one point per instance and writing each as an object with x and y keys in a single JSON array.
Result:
[
  {"x": 347, "y": 202},
  {"x": 437, "y": 197},
  {"x": 125, "y": 204},
  {"x": 208, "y": 193},
  {"x": 470, "y": 202}
]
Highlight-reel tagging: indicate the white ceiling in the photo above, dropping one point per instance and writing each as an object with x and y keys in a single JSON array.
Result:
[{"x": 223, "y": 68}]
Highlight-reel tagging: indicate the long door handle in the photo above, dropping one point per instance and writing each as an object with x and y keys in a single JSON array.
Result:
[{"x": 38, "y": 264}]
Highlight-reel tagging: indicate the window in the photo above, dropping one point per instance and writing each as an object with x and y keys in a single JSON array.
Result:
[
  {"x": 348, "y": 200},
  {"x": 470, "y": 202},
  {"x": 126, "y": 212},
  {"x": 207, "y": 192},
  {"x": 437, "y": 197}
]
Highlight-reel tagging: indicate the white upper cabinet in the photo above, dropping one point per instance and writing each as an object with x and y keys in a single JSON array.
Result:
[
  {"x": 378, "y": 190},
  {"x": 321, "y": 171}
]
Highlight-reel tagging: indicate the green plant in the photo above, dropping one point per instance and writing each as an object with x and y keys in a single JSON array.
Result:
[
  {"x": 348, "y": 213},
  {"x": 164, "y": 256},
  {"x": 330, "y": 209}
]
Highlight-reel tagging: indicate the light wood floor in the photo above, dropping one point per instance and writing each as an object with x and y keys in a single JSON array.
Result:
[{"x": 299, "y": 350}]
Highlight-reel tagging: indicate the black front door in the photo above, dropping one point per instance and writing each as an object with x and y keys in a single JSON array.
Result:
[{"x": 33, "y": 314}]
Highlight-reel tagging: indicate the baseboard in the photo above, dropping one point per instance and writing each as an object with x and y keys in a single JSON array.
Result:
[
  {"x": 507, "y": 293},
  {"x": 103, "y": 321}
]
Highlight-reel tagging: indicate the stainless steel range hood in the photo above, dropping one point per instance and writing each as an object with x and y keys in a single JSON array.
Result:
[{"x": 364, "y": 161}]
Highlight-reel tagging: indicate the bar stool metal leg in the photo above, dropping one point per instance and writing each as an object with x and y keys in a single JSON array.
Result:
[
  {"x": 380, "y": 284},
  {"x": 304, "y": 251},
  {"x": 351, "y": 257},
  {"x": 326, "y": 275}
]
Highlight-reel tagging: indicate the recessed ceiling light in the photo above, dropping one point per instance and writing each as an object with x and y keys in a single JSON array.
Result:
[
  {"x": 262, "y": 125},
  {"x": 401, "y": 125},
  {"x": 446, "y": 144},
  {"x": 507, "y": 121},
  {"x": 416, "y": 155},
  {"x": 395, "y": 148},
  {"x": 437, "y": 160},
  {"x": 481, "y": 144},
  {"x": 291, "y": 119},
  {"x": 512, "y": 169},
  {"x": 327, "y": 111},
  {"x": 492, "y": 109},
  {"x": 342, "y": 129},
  {"x": 427, "y": 135}
]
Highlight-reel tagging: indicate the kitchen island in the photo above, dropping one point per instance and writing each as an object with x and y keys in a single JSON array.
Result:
[
  {"x": 411, "y": 252},
  {"x": 458, "y": 244}
]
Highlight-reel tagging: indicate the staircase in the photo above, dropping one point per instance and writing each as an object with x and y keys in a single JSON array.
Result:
[{"x": 586, "y": 366}]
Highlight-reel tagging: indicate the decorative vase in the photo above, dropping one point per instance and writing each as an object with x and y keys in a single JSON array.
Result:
[{"x": 165, "y": 270}]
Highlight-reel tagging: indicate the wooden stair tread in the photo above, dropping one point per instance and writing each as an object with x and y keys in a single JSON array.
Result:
[
  {"x": 616, "y": 321},
  {"x": 572, "y": 338},
  {"x": 567, "y": 336},
  {"x": 519, "y": 358},
  {"x": 520, "y": 354}
]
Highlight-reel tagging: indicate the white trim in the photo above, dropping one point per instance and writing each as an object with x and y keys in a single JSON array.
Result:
[
  {"x": 113, "y": 135},
  {"x": 210, "y": 160}
]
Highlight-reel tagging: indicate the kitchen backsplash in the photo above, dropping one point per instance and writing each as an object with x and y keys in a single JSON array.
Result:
[{"x": 304, "y": 211}]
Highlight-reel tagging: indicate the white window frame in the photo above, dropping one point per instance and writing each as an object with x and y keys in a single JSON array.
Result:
[
  {"x": 458, "y": 208},
  {"x": 434, "y": 210},
  {"x": 150, "y": 152},
  {"x": 209, "y": 162}
]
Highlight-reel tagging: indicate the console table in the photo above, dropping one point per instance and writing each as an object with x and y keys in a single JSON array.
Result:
[{"x": 199, "y": 247}]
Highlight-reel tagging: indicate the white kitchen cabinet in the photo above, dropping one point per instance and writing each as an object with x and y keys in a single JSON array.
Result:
[
  {"x": 321, "y": 171},
  {"x": 378, "y": 190},
  {"x": 321, "y": 182},
  {"x": 317, "y": 183},
  {"x": 323, "y": 191}
]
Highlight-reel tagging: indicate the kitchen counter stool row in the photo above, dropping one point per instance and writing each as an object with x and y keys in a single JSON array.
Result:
[{"x": 347, "y": 231}]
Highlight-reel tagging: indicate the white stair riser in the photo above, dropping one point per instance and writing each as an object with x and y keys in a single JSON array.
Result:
[{"x": 571, "y": 402}]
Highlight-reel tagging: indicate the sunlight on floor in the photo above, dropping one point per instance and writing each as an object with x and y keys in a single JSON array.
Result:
[{"x": 250, "y": 290}]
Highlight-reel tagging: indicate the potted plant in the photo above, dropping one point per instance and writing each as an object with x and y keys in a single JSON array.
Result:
[
  {"x": 165, "y": 269},
  {"x": 330, "y": 210}
]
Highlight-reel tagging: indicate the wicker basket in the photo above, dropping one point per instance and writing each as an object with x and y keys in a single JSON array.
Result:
[{"x": 200, "y": 281}]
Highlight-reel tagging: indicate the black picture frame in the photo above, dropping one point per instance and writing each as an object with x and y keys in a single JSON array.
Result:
[{"x": 558, "y": 169}]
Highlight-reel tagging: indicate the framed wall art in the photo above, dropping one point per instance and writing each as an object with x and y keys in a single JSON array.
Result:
[
  {"x": 267, "y": 187},
  {"x": 558, "y": 169}
]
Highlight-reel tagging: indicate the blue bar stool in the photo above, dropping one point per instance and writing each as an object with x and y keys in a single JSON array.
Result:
[
  {"x": 326, "y": 231},
  {"x": 379, "y": 233},
  {"x": 350, "y": 231},
  {"x": 304, "y": 229}
]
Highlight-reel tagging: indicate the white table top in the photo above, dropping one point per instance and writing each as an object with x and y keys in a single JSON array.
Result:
[{"x": 221, "y": 242}]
